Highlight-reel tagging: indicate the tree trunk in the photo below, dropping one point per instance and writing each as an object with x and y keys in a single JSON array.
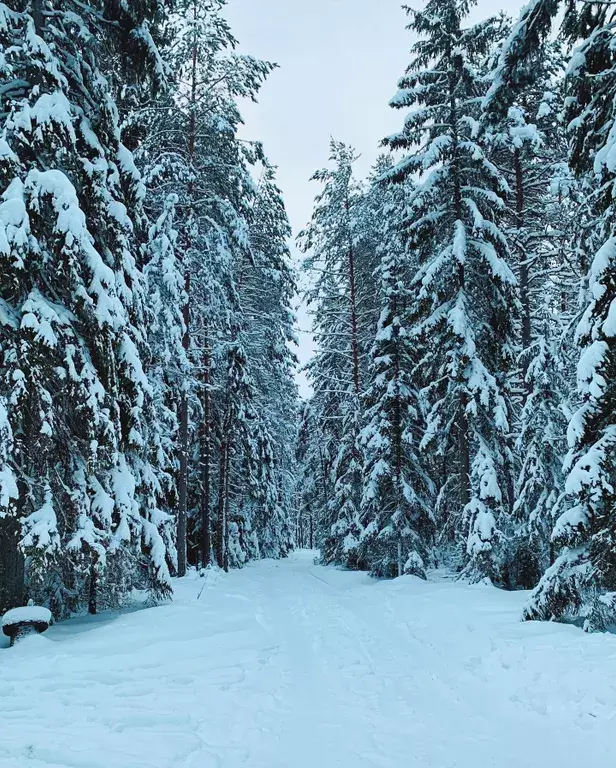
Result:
[
  {"x": 11, "y": 565},
  {"x": 227, "y": 504},
  {"x": 462, "y": 420},
  {"x": 222, "y": 485},
  {"x": 299, "y": 539},
  {"x": 206, "y": 450},
  {"x": 353, "y": 312},
  {"x": 184, "y": 447},
  {"x": 465, "y": 458},
  {"x": 37, "y": 16},
  {"x": 184, "y": 406},
  {"x": 524, "y": 274},
  {"x": 92, "y": 604}
]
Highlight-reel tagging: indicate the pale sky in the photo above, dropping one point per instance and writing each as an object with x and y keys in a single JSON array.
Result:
[{"x": 339, "y": 64}]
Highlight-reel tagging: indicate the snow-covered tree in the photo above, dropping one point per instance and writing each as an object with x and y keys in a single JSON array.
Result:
[
  {"x": 331, "y": 240},
  {"x": 232, "y": 233},
  {"x": 540, "y": 446},
  {"x": 580, "y": 583},
  {"x": 312, "y": 481},
  {"x": 528, "y": 142},
  {"x": 75, "y": 347},
  {"x": 464, "y": 288},
  {"x": 267, "y": 291},
  {"x": 397, "y": 503}
]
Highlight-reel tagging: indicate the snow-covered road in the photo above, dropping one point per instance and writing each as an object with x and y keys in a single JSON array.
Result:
[{"x": 291, "y": 665}]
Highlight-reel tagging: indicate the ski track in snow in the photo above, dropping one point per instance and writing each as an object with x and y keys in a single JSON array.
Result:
[{"x": 292, "y": 665}]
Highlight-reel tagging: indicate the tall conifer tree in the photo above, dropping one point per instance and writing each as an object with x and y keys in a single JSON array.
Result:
[{"x": 465, "y": 289}]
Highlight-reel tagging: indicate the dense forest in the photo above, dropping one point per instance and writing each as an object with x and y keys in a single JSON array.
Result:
[
  {"x": 463, "y": 300},
  {"x": 147, "y": 400},
  {"x": 463, "y": 304}
]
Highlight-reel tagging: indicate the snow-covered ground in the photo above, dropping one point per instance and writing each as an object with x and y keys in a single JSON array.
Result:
[{"x": 291, "y": 665}]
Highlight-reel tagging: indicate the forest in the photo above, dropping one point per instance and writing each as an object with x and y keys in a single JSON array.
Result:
[
  {"x": 464, "y": 301},
  {"x": 337, "y": 492},
  {"x": 462, "y": 298}
]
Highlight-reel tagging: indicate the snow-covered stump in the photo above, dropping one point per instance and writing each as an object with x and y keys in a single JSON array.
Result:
[{"x": 20, "y": 622}]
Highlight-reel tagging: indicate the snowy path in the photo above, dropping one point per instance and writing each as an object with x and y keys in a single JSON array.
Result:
[{"x": 290, "y": 665}]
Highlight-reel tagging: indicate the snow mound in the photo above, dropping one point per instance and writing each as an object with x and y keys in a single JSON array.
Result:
[{"x": 27, "y": 614}]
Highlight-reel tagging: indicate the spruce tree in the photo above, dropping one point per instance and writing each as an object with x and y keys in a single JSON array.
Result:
[
  {"x": 310, "y": 491},
  {"x": 229, "y": 264},
  {"x": 529, "y": 143},
  {"x": 267, "y": 291},
  {"x": 397, "y": 520},
  {"x": 580, "y": 583},
  {"x": 75, "y": 350},
  {"x": 465, "y": 289},
  {"x": 331, "y": 243}
]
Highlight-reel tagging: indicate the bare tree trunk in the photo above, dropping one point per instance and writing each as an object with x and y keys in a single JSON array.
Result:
[
  {"x": 184, "y": 447},
  {"x": 465, "y": 458},
  {"x": 227, "y": 504},
  {"x": 183, "y": 487},
  {"x": 205, "y": 457},
  {"x": 184, "y": 406},
  {"x": 524, "y": 275},
  {"x": 222, "y": 485},
  {"x": 92, "y": 600},
  {"x": 222, "y": 538},
  {"x": 11, "y": 565},
  {"x": 353, "y": 311},
  {"x": 299, "y": 538}
]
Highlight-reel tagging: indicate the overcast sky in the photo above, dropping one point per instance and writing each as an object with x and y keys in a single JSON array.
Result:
[{"x": 339, "y": 63}]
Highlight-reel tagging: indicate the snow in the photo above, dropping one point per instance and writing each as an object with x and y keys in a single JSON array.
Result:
[
  {"x": 290, "y": 664},
  {"x": 40, "y": 528},
  {"x": 14, "y": 222},
  {"x": 71, "y": 223},
  {"x": 50, "y": 109},
  {"x": 27, "y": 613}
]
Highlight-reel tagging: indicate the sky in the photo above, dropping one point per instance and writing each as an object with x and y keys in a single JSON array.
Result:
[{"x": 339, "y": 62}]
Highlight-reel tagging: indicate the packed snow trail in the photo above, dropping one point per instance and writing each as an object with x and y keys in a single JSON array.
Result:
[{"x": 291, "y": 665}]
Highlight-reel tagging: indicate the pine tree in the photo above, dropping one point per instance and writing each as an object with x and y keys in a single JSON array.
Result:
[
  {"x": 195, "y": 152},
  {"x": 78, "y": 397},
  {"x": 267, "y": 291},
  {"x": 396, "y": 511},
  {"x": 169, "y": 364},
  {"x": 580, "y": 583},
  {"x": 310, "y": 489},
  {"x": 465, "y": 289},
  {"x": 331, "y": 241},
  {"x": 529, "y": 143},
  {"x": 541, "y": 446}
]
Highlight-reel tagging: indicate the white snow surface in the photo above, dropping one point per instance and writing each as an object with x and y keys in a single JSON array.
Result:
[{"x": 291, "y": 665}]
